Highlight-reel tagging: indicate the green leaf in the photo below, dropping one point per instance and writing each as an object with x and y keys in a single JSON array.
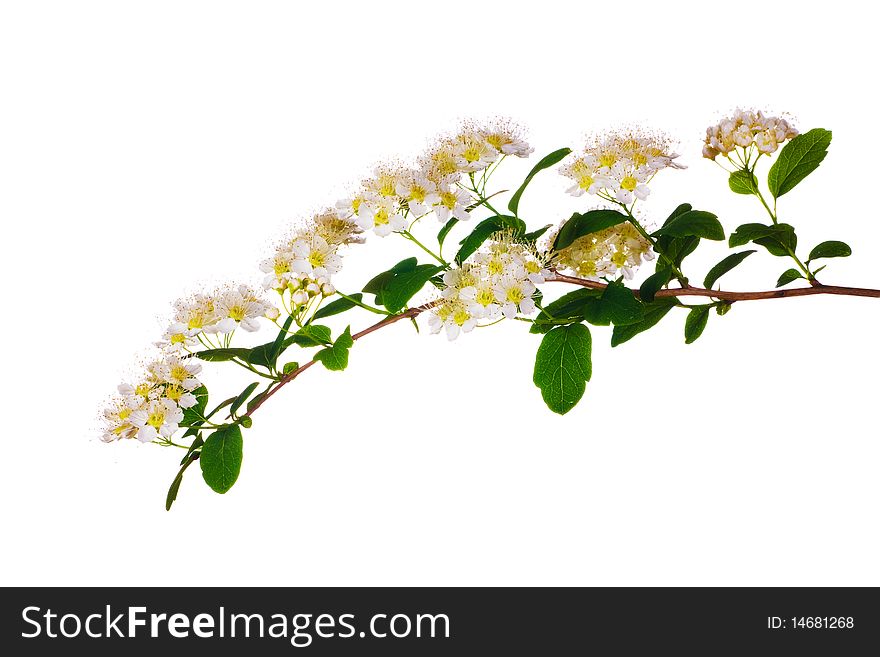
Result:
[
  {"x": 263, "y": 355},
  {"x": 544, "y": 163},
  {"x": 725, "y": 266},
  {"x": 788, "y": 276},
  {"x": 289, "y": 367},
  {"x": 338, "y": 306},
  {"x": 404, "y": 286},
  {"x": 219, "y": 355},
  {"x": 654, "y": 312},
  {"x": 449, "y": 225},
  {"x": 175, "y": 485},
  {"x": 830, "y": 249},
  {"x": 195, "y": 415},
  {"x": 586, "y": 223},
  {"x": 743, "y": 182},
  {"x": 335, "y": 358},
  {"x": 242, "y": 396},
  {"x": 693, "y": 223},
  {"x": 621, "y": 305},
  {"x": 696, "y": 322},
  {"x": 566, "y": 309},
  {"x": 798, "y": 159},
  {"x": 377, "y": 284},
  {"x": 563, "y": 366},
  {"x": 220, "y": 458},
  {"x": 483, "y": 230},
  {"x": 531, "y": 238},
  {"x": 198, "y": 442},
  {"x": 310, "y": 335},
  {"x": 778, "y": 239},
  {"x": 654, "y": 283}
]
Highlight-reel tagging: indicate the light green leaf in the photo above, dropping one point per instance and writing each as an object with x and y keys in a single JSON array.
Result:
[
  {"x": 743, "y": 182},
  {"x": 195, "y": 415},
  {"x": 310, "y": 335},
  {"x": 221, "y": 457},
  {"x": 544, "y": 163},
  {"x": 563, "y": 366},
  {"x": 798, "y": 159},
  {"x": 725, "y": 266},
  {"x": 335, "y": 358}
]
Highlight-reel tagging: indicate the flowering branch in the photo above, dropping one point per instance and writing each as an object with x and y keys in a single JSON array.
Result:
[{"x": 496, "y": 273}]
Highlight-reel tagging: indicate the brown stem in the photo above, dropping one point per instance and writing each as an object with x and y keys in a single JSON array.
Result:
[{"x": 561, "y": 278}]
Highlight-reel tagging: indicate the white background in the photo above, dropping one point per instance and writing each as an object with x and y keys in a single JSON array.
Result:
[{"x": 150, "y": 149}]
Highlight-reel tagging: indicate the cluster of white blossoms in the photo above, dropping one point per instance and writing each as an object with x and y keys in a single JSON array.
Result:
[
  {"x": 606, "y": 254},
  {"x": 497, "y": 282},
  {"x": 746, "y": 129},
  {"x": 154, "y": 407},
  {"x": 619, "y": 166},
  {"x": 386, "y": 202}
]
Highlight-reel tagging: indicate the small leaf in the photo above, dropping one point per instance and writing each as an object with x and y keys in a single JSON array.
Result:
[
  {"x": 338, "y": 306},
  {"x": 195, "y": 415},
  {"x": 788, "y": 276},
  {"x": 544, "y": 163},
  {"x": 175, "y": 485},
  {"x": 743, "y": 182},
  {"x": 694, "y": 223},
  {"x": 725, "y": 266},
  {"x": 335, "y": 358},
  {"x": 486, "y": 228},
  {"x": 449, "y": 225},
  {"x": 830, "y": 249},
  {"x": 566, "y": 309},
  {"x": 777, "y": 239},
  {"x": 696, "y": 322},
  {"x": 289, "y": 367},
  {"x": 654, "y": 312},
  {"x": 219, "y": 355},
  {"x": 621, "y": 305},
  {"x": 798, "y": 159},
  {"x": 654, "y": 283},
  {"x": 198, "y": 442},
  {"x": 221, "y": 457},
  {"x": 583, "y": 224},
  {"x": 531, "y": 238},
  {"x": 242, "y": 396},
  {"x": 563, "y": 366},
  {"x": 311, "y": 335}
]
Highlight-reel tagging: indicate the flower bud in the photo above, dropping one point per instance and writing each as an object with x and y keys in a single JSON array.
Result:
[
  {"x": 327, "y": 289},
  {"x": 299, "y": 298}
]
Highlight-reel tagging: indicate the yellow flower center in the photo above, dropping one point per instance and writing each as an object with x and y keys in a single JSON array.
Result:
[
  {"x": 124, "y": 412},
  {"x": 381, "y": 217},
  {"x": 143, "y": 390},
  {"x": 237, "y": 313},
  {"x": 496, "y": 140},
  {"x": 585, "y": 181},
  {"x": 515, "y": 294},
  {"x": 385, "y": 184},
  {"x": 179, "y": 373},
  {"x": 607, "y": 159},
  {"x": 281, "y": 268},
  {"x": 532, "y": 267},
  {"x": 178, "y": 338},
  {"x": 495, "y": 266},
  {"x": 417, "y": 193},
  {"x": 619, "y": 258},
  {"x": 156, "y": 418},
  {"x": 174, "y": 393},
  {"x": 484, "y": 297},
  {"x": 196, "y": 320},
  {"x": 628, "y": 183},
  {"x": 448, "y": 200},
  {"x": 460, "y": 317},
  {"x": 639, "y": 158},
  {"x": 316, "y": 259}
]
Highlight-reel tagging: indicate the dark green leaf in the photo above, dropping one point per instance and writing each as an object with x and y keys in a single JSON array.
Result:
[
  {"x": 404, "y": 286},
  {"x": 621, "y": 305},
  {"x": 220, "y": 458},
  {"x": 565, "y": 310},
  {"x": 654, "y": 312},
  {"x": 654, "y": 283},
  {"x": 563, "y": 366},
  {"x": 219, "y": 355},
  {"x": 486, "y": 228},
  {"x": 198, "y": 442},
  {"x": 694, "y": 223},
  {"x": 798, "y": 159},
  {"x": 531, "y": 238},
  {"x": 195, "y": 415},
  {"x": 175, "y": 485},
  {"x": 743, "y": 182},
  {"x": 338, "y": 306},
  {"x": 725, "y": 266},
  {"x": 336, "y": 357},
  {"x": 788, "y": 276},
  {"x": 449, "y": 225},
  {"x": 830, "y": 249},
  {"x": 242, "y": 396},
  {"x": 696, "y": 322},
  {"x": 263, "y": 355},
  {"x": 544, "y": 163},
  {"x": 377, "y": 284},
  {"x": 778, "y": 239},
  {"x": 310, "y": 335},
  {"x": 586, "y": 223}
]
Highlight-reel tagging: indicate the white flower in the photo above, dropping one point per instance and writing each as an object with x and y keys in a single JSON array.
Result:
[
  {"x": 196, "y": 313},
  {"x": 628, "y": 183},
  {"x": 118, "y": 420},
  {"x": 514, "y": 295},
  {"x": 161, "y": 417},
  {"x": 177, "y": 338},
  {"x": 418, "y": 192},
  {"x": 382, "y": 216},
  {"x": 313, "y": 256},
  {"x": 238, "y": 306},
  {"x": 506, "y": 139},
  {"x": 454, "y": 202},
  {"x": 746, "y": 129},
  {"x": 452, "y": 316},
  {"x": 278, "y": 270},
  {"x": 480, "y": 299},
  {"x": 473, "y": 152}
]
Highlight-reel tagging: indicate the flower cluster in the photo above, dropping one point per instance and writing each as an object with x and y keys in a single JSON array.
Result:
[
  {"x": 606, "y": 254},
  {"x": 619, "y": 166},
  {"x": 746, "y": 129},
  {"x": 498, "y": 281},
  {"x": 154, "y": 408},
  {"x": 385, "y": 202}
]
